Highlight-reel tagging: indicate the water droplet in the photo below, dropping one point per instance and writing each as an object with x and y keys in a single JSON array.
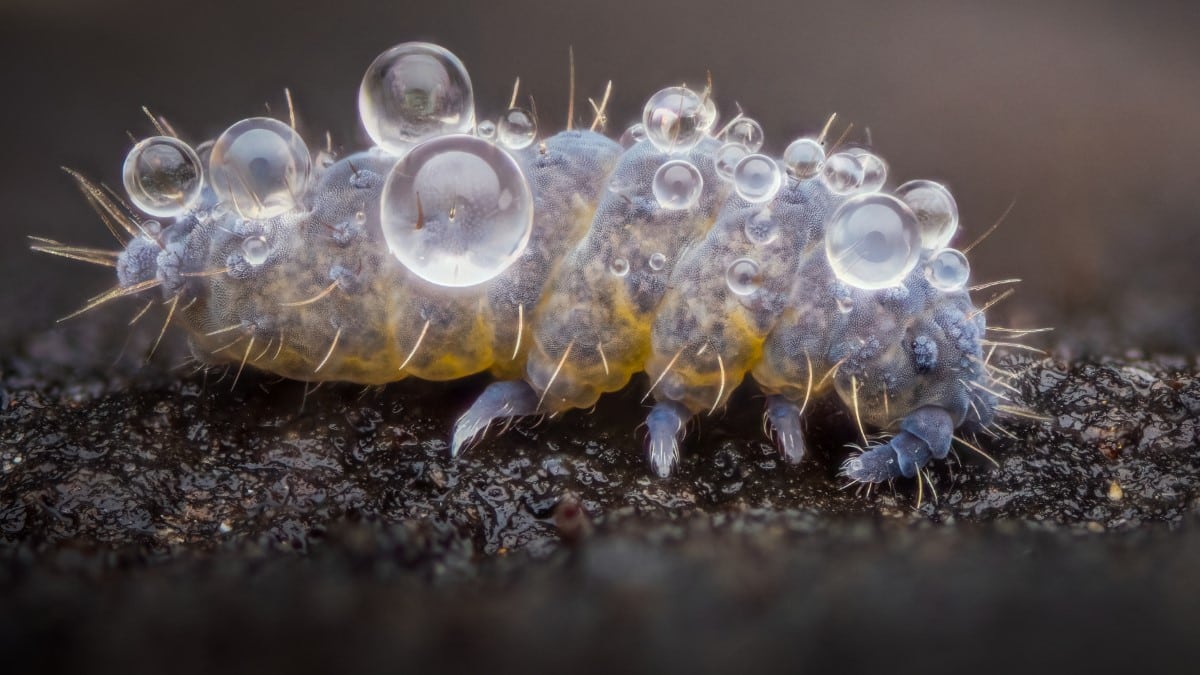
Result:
[
  {"x": 657, "y": 261},
  {"x": 804, "y": 158},
  {"x": 947, "y": 270},
  {"x": 633, "y": 135},
  {"x": 486, "y": 129},
  {"x": 726, "y": 159},
  {"x": 517, "y": 129},
  {"x": 456, "y": 211},
  {"x": 746, "y": 132},
  {"x": 676, "y": 119},
  {"x": 757, "y": 178},
  {"x": 260, "y": 166},
  {"x": 935, "y": 208},
  {"x": 360, "y": 217},
  {"x": 875, "y": 170},
  {"x": 742, "y": 276},
  {"x": 872, "y": 241},
  {"x": 677, "y": 184},
  {"x": 163, "y": 176},
  {"x": 255, "y": 250},
  {"x": 761, "y": 228},
  {"x": 324, "y": 160},
  {"x": 843, "y": 173},
  {"x": 413, "y": 92},
  {"x": 845, "y": 303},
  {"x": 619, "y": 267}
]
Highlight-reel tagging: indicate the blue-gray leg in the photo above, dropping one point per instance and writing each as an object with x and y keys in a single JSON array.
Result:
[
  {"x": 666, "y": 424},
  {"x": 501, "y": 400},
  {"x": 925, "y": 435},
  {"x": 783, "y": 416}
]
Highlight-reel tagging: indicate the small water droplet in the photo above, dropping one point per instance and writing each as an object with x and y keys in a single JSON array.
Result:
[
  {"x": 677, "y": 184},
  {"x": 804, "y": 158},
  {"x": 163, "y": 176},
  {"x": 875, "y": 170},
  {"x": 676, "y": 119},
  {"x": 935, "y": 208},
  {"x": 843, "y": 173},
  {"x": 255, "y": 250},
  {"x": 635, "y": 134},
  {"x": 486, "y": 130},
  {"x": 619, "y": 267},
  {"x": 761, "y": 228},
  {"x": 742, "y": 276},
  {"x": 947, "y": 270},
  {"x": 726, "y": 159},
  {"x": 657, "y": 261},
  {"x": 757, "y": 178},
  {"x": 517, "y": 129},
  {"x": 747, "y": 133}
]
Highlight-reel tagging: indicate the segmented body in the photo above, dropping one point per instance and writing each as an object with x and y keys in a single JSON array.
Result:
[{"x": 610, "y": 283}]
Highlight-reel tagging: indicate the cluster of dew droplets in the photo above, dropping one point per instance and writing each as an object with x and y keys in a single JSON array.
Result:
[
  {"x": 937, "y": 220},
  {"x": 456, "y": 209},
  {"x": 874, "y": 240},
  {"x": 675, "y": 120}
]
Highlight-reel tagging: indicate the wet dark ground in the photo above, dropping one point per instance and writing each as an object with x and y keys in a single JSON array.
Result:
[{"x": 149, "y": 517}]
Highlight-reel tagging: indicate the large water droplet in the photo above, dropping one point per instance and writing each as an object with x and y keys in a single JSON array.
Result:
[
  {"x": 804, "y": 158},
  {"x": 677, "y": 184},
  {"x": 163, "y": 176},
  {"x": 935, "y": 208},
  {"x": 260, "y": 166},
  {"x": 517, "y": 129},
  {"x": 947, "y": 270},
  {"x": 457, "y": 210},
  {"x": 676, "y": 119},
  {"x": 757, "y": 178},
  {"x": 743, "y": 277},
  {"x": 872, "y": 241},
  {"x": 412, "y": 92},
  {"x": 843, "y": 173}
]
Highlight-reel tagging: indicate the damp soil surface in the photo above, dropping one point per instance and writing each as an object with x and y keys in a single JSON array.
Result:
[{"x": 155, "y": 520}]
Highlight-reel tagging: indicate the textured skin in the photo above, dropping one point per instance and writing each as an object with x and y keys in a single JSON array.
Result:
[{"x": 330, "y": 303}]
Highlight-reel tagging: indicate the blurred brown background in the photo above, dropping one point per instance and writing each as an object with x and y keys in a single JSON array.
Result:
[{"x": 1085, "y": 113}]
